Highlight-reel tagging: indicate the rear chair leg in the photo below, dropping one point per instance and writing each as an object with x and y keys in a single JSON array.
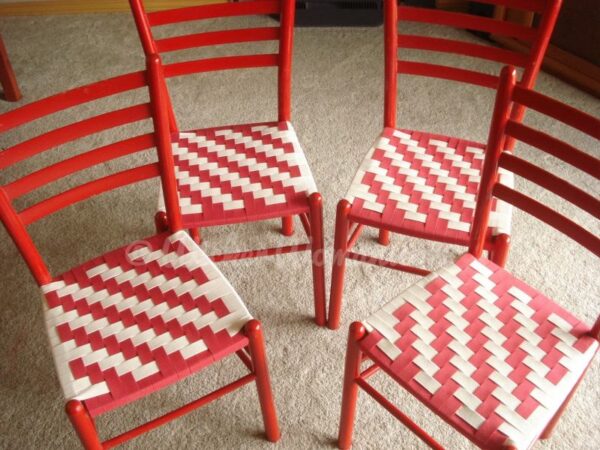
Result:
[
  {"x": 384, "y": 237},
  {"x": 287, "y": 225},
  {"x": 83, "y": 424},
  {"x": 160, "y": 222},
  {"x": 350, "y": 389},
  {"x": 318, "y": 257},
  {"x": 196, "y": 236},
  {"x": 340, "y": 247},
  {"x": 499, "y": 253},
  {"x": 253, "y": 330}
]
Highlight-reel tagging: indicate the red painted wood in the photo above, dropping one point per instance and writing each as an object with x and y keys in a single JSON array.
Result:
[
  {"x": 462, "y": 48},
  {"x": 72, "y": 132},
  {"x": 390, "y": 16},
  {"x": 554, "y": 147},
  {"x": 551, "y": 217},
  {"x": 213, "y": 11},
  {"x": 448, "y": 73},
  {"x": 221, "y": 63},
  {"x": 552, "y": 183},
  {"x": 338, "y": 266},
  {"x": 8, "y": 80},
  {"x": 220, "y": 37},
  {"x": 467, "y": 21},
  {"x": 262, "y": 252},
  {"x": 317, "y": 242},
  {"x": 83, "y": 424},
  {"x": 385, "y": 263},
  {"x": 284, "y": 75},
  {"x": 87, "y": 190},
  {"x": 70, "y": 98},
  {"x": 527, "y": 5}
]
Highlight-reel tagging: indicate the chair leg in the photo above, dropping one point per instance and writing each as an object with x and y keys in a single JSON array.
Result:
[
  {"x": 287, "y": 225},
  {"x": 384, "y": 237},
  {"x": 350, "y": 389},
  {"x": 318, "y": 257},
  {"x": 338, "y": 268},
  {"x": 83, "y": 424},
  {"x": 499, "y": 254},
  {"x": 160, "y": 222},
  {"x": 196, "y": 236},
  {"x": 263, "y": 384},
  {"x": 7, "y": 76}
]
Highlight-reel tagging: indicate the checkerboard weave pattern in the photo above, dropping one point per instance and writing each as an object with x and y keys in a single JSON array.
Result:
[
  {"x": 241, "y": 172},
  {"x": 424, "y": 185},
  {"x": 138, "y": 318},
  {"x": 486, "y": 352}
]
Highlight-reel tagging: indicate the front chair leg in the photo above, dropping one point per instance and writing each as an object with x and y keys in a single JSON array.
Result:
[
  {"x": 317, "y": 246},
  {"x": 253, "y": 330},
  {"x": 350, "y": 389},
  {"x": 287, "y": 225},
  {"x": 83, "y": 424},
  {"x": 499, "y": 252},
  {"x": 338, "y": 269}
]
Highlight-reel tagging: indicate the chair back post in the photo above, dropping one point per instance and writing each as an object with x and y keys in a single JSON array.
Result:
[
  {"x": 159, "y": 105},
  {"x": 149, "y": 45},
  {"x": 391, "y": 62},
  {"x": 284, "y": 75},
  {"x": 18, "y": 233},
  {"x": 538, "y": 49},
  {"x": 501, "y": 115}
]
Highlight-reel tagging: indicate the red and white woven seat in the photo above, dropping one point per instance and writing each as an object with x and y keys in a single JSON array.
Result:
[
  {"x": 424, "y": 185},
  {"x": 138, "y": 318},
  {"x": 489, "y": 354},
  {"x": 240, "y": 172}
]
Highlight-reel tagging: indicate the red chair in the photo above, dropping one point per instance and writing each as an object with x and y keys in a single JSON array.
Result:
[
  {"x": 420, "y": 184},
  {"x": 141, "y": 317},
  {"x": 241, "y": 173},
  {"x": 492, "y": 356}
]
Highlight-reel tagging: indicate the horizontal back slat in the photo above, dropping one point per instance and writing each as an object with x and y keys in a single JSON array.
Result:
[
  {"x": 462, "y": 48},
  {"x": 554, "y": 147},
  {"x": 548, "y": 215},
  {"x": 466, "y": 21},
  {"x": 213, "y": 11},
  {"x": 217, "y": 38},
  {"x": 551, "y": 183},
  {"x": 71, "y": 98},
  {"x": 557, "y": 110},
  {"x": 448, "y": 73},
  {"x": 526, "y": 5},
  {"x": 76, "y": 163},
  {"x": 92, "y": 188},
  {"x": 72, "y": 132},
  {"x": 221, "y": 63}
]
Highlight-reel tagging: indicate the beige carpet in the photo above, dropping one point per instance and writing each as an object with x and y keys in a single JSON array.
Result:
[{"x": 337, "y": 92}]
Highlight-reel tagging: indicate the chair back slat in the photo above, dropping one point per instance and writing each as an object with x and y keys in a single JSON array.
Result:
[
  {"x": 546, "y": 214},
  {"x": 87, "y": 190},
  {"x": 68, "y": 99},
  {"x": 216, "y": 64},
  {"x": 461, "y": 48},
  {"x": 217, "y": 38},
  {"x": 77, "y": 163},
  {"x": 554, "y": 147},
  {"x": 202, "y": 12},
  {"x": 466, "y": 21},
  {"x": 496, "y": 158},
  {"x": 72, "y": 132},
  {"x": 448, "y": 73}
]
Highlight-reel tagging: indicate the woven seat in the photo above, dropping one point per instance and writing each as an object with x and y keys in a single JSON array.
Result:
[
  {"x": 138, "y": 318},
  {"x": 239, "y": 173},
  {"x": 486, "y": 352},
  {"x": 423, "y": 185}
]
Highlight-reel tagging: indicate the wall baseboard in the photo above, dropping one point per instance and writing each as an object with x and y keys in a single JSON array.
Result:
[{"x": 49, "y": 7}]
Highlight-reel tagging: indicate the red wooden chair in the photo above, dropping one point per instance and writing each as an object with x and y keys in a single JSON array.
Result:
[
  {"x": 492, "y": 356},
  {"x": 249, "y": 172},
  {"x": 421, "y": 184},
  {"x": 141, "y": 317}
]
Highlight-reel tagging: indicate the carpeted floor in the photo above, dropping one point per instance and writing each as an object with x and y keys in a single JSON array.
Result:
[{"x": 337, "y": 111}]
